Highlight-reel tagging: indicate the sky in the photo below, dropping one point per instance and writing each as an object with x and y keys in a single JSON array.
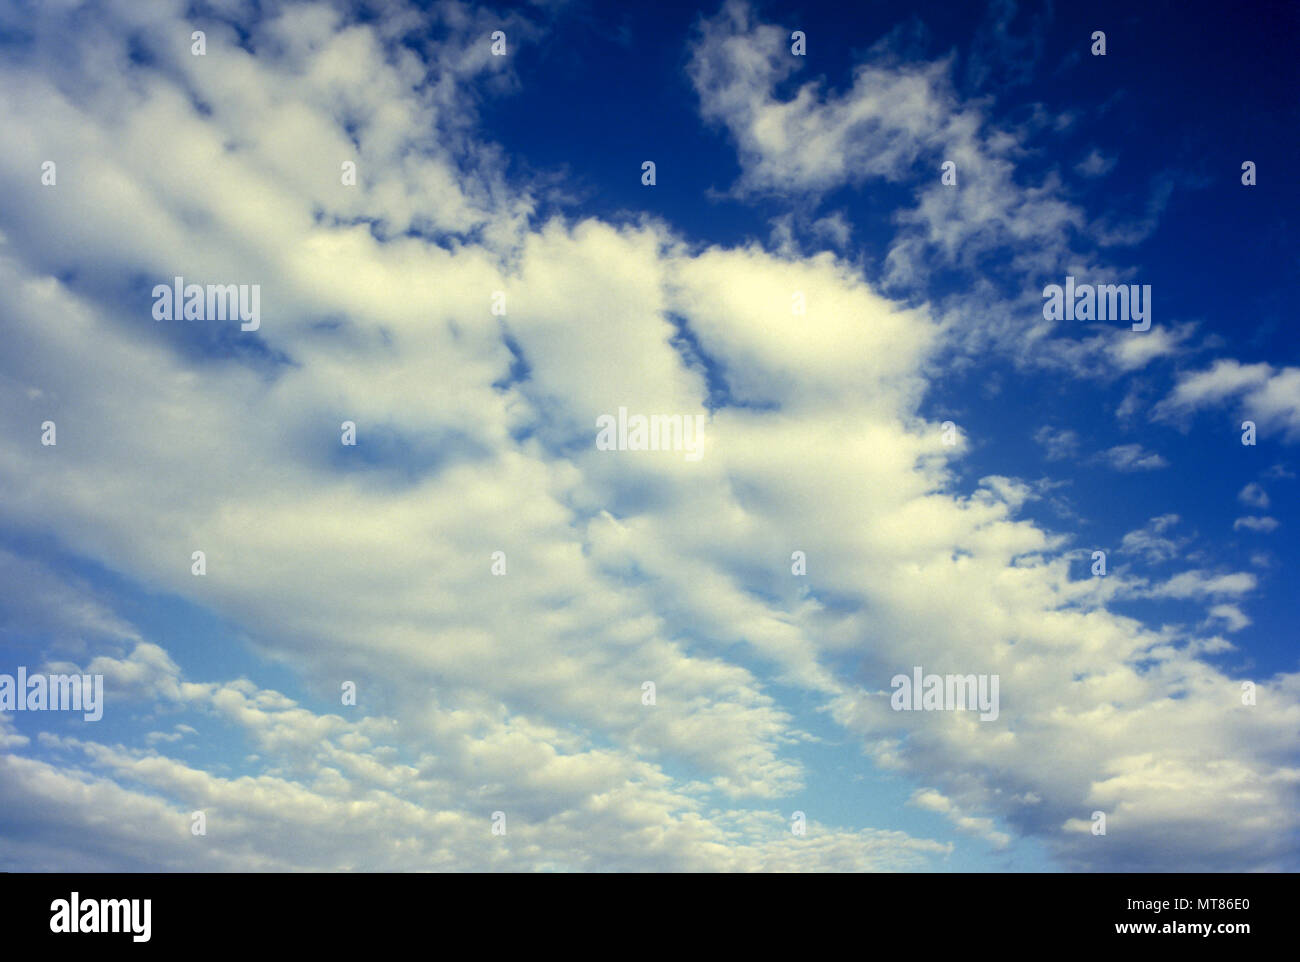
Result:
[{"x": 480, "y": 639}]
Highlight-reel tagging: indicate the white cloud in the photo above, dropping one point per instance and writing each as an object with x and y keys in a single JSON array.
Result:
[
  {"x": 1260, "y": 392},
  {"x": 1202, "y": 584},
  {"x": 983, "y": 827},
  {"x": 1253, "y": 495},
  {"x": 1235, "y": 618},
  {"x": 1059, "y": 444},
  {"x": 1131, "y": 350},
  {"x": 1152, "y": 542},
  {"x": 1132, "y": 457},
  {"x": 1095, "y": 164},
  {"x": 1255, "y": 523}
]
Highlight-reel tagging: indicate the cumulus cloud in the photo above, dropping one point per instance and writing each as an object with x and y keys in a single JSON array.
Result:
[{"x": 1260, "y": 392}]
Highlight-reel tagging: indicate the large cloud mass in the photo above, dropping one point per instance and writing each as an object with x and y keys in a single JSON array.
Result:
[{"x": 522, "y": 693}]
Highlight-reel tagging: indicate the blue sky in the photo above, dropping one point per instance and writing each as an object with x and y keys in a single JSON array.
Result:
[{"x": 778, "y": 178}]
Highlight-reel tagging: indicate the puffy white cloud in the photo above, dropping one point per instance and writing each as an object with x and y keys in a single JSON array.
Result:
[
  {"x": 1136, "y": 349},
  {"x": 1260, "y": 392}
]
